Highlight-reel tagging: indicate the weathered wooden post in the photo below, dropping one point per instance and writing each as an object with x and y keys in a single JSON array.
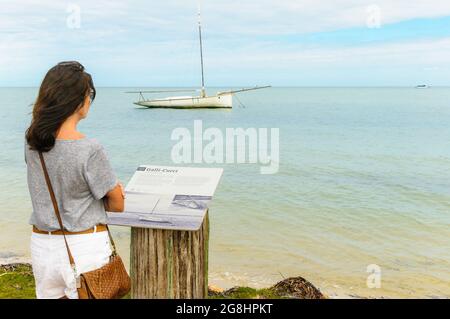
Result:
[
  {"x": 168, "y": 263},
  {"x": 167, "y": 210}
]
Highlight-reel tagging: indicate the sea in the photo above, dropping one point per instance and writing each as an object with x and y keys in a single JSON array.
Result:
[{"x": 360, "y": 204}]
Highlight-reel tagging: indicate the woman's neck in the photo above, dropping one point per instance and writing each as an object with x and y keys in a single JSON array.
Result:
[{"x": 68, "y": 130}]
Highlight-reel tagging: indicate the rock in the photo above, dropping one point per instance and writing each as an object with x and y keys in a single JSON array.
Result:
[
  {"x": 15, "y": 266},
  {"x": 297, "y": 287},
  {"x": 215, "y": 289}
]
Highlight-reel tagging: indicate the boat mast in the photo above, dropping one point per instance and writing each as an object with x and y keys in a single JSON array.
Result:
[{"x": 203, "y": 94}]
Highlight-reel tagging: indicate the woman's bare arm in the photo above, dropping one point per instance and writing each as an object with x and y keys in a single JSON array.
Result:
[{"x": 114, "y": 200}]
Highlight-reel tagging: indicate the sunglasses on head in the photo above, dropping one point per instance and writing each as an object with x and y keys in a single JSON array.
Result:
[{"x": 77, "y": 66}]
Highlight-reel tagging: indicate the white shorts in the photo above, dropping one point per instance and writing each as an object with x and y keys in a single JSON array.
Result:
[{"x": 53, "y": 275}]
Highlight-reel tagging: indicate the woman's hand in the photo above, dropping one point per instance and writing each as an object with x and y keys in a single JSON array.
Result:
[{"x": 122, "y": 189}]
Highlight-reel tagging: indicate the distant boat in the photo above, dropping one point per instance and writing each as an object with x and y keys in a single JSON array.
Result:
[
  {"x": 219, "y": 100},
  {"x": 422, "y": 86}
]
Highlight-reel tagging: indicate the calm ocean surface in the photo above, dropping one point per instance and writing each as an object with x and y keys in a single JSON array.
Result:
[{"x": 364, "y": 179}]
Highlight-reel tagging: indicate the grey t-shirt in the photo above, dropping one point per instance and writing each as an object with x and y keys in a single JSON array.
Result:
[{"x": 80, "y": 174}]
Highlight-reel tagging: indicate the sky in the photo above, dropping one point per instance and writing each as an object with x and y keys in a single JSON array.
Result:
[{"x": 152, "y": 43}]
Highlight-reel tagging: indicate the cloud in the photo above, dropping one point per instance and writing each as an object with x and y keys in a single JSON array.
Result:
[
  {"x": 294, "y": 17},
  {"x": 150, "y": 40},
  {"x": 223, "y": 17},
  {"x": 432, "y": 51}
]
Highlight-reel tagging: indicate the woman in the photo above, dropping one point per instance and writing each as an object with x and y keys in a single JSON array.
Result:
[{"x": 83, "y": 182}]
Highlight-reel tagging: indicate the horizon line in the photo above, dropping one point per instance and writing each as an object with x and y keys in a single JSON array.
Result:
[{"x": 241, "y": 86}]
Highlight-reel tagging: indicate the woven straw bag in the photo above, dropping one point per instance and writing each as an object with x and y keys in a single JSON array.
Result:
[{"x": 108, "y": 282}]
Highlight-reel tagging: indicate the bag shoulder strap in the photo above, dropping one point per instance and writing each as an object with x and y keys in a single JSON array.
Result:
[{"x": 55, "y": 206}]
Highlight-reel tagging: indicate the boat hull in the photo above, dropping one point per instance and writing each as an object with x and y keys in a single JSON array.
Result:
[{"x": 194, "y": 102}]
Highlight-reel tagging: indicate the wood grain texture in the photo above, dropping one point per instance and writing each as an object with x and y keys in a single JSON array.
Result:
[{"x": 168, "y": 263}]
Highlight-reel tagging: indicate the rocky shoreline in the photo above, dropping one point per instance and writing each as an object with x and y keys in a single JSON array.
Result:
[
  {"x": 17, "y": 281},
  {"x": 290, "y": 288}
]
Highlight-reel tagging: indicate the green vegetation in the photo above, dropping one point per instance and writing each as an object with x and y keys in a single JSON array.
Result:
[
  {"x": 16, "y": 282},
  {"x": 245, "y": 293}
]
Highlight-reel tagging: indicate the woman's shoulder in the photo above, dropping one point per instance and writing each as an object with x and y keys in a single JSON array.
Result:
[
  {"x": 86, "y": 145},
  {"x": 93, "y": 143},
  {"x": 95, "y": 146},
  {"x": 88, "y": 150}
]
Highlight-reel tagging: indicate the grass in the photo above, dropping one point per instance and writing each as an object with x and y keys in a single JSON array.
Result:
[
  {"x": 246, "y": 293},
  {"x": 16, "y": 282}
]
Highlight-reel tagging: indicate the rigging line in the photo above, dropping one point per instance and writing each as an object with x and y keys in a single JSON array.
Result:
[
  {"x": 241, "y": 105},
  {"x": 201, "y": 49}
]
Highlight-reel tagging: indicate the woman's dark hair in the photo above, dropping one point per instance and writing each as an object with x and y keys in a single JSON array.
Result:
[{"x": 62, "y": 92}]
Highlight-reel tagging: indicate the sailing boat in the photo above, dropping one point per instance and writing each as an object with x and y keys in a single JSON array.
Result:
[{"x": 219, "y": 100}]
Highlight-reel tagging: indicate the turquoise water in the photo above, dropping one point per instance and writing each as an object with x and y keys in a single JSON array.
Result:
[{"x": 364, "y": 179}]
